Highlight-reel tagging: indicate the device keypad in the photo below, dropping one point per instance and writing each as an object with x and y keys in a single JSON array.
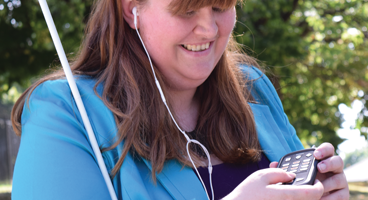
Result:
[
  {"x": 297, "y": 163},
  {"x": 300, "y": 163}
]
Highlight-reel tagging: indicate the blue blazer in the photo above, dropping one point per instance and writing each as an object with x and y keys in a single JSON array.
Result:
[{"x": 55, "y": 160}]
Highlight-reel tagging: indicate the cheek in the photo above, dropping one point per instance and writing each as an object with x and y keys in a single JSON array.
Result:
[
  {"x": 152, "y": 38},
  {"x": 227, "y": 22},
  {"x": 150, "y": 32},
  {"x": 159, "y": 34}
]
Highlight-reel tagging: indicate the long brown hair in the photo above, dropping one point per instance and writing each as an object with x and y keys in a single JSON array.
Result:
[{"x": 112, "y": 54}]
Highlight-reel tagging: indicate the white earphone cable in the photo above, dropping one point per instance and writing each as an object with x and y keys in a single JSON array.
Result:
[{"x": 172, "y": 117}]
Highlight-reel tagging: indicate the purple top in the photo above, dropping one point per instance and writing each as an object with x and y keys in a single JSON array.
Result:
[{"x": 226, "y": 177}]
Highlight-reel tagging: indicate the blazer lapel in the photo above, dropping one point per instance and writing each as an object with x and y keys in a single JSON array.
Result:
[{"x": 181, "y": 182}]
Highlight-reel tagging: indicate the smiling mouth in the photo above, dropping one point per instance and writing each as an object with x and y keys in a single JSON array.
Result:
[{"x": 195, "y": 48}]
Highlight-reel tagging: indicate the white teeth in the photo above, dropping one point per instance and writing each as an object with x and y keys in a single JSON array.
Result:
[{"x": 197, "y": 47}]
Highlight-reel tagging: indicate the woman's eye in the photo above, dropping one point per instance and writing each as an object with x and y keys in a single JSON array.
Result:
[
  {"x": 220, "y": 10},
  {"x": 190, "y": 13},
  {"x": 215, "y": 9}
]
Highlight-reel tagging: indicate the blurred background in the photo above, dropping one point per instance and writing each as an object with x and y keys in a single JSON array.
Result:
[{"x": 314, "y": 51}]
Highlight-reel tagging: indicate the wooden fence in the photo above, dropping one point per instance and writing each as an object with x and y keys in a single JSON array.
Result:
[{"x": 9, "y": 144}]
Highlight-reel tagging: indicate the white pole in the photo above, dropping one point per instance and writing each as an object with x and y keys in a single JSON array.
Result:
[{"x": 77, "y": 97}]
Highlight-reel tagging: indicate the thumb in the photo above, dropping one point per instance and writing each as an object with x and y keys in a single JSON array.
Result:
[
  {"x": 273, "y": 164},
  {"x": 319, "y": 186},
  {"x": 276, "y": 175}
]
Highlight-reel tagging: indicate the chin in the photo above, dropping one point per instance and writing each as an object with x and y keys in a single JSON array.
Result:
[{"x": 202, "y": 71}]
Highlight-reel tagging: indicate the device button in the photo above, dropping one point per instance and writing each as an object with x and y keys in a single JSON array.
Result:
[
  {"x": 287, "y": 159},
  {"x": 299, "y": 179},
  {"x": 303, "y": 169}
]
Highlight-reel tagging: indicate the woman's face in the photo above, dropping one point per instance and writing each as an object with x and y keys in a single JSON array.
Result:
[{"x": 185, "y": 48}]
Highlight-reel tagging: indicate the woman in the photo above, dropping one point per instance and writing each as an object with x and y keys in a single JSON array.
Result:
[{"x": 216, "y": 94}]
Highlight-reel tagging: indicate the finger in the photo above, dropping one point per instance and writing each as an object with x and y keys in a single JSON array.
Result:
[
  {"x": 333, "y": 164},
  {"x": 336, "y": 182},
  {"x": 338, "y": 195},
  {"x": 319, "y": 188},
  {"x": 298, "y": 192},
  {"x": 325, "y": 150},
  {"x": 323, "y": 176},
  {"x": 275, "y": 175},
  {"x": 273, "y": 164}
]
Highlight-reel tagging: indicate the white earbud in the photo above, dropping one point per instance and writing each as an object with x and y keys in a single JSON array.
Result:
[{"x": 134, "y": 11}]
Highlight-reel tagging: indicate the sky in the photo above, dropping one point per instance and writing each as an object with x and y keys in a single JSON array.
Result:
[{"x": 354, "y": 140}]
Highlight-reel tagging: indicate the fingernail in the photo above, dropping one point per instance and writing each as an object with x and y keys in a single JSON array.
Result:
[
  {"x": 291, "y": 175},
  {"x": 317, "y": 154},
  {"x": 321, "y": 167}
]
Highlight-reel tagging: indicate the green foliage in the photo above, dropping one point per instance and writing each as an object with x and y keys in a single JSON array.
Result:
[
  {"x": 317, "y": 52},
  {"x": 26, "y": 47}
]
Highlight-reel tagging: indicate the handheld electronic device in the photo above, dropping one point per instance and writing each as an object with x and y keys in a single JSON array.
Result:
[{"x": 303, "y": 164}]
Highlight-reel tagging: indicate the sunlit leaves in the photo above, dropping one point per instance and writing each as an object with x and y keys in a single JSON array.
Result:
[{"x": 319, "y": 52}]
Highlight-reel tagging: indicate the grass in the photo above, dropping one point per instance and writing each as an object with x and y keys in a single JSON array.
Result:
[
  {"x": 358, "y": 196},
  {"x": 5, "y": 188},
  {"x": 358, "y": 191},
  {"x": 361, "y": 187}
]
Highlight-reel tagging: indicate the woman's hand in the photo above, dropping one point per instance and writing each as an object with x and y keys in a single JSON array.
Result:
[
  {"x": 330, "y": 172},
  {"x": 262, "y": 184}
]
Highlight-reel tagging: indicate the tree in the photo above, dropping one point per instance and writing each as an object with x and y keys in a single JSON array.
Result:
[
  {"x": 317, "y": 51},
  {"x": 26, "y": 48}
]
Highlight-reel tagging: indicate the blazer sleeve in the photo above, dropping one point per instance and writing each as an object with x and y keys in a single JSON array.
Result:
[
  {"x": 265, "y": 94},
  {"x": 55, "y": 159}
]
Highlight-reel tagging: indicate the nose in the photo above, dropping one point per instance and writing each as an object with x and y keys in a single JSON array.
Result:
[{"x": 206, "y": 24}]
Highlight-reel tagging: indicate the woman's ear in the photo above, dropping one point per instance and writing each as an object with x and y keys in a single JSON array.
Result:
[{"x": 128, "y": 15}]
